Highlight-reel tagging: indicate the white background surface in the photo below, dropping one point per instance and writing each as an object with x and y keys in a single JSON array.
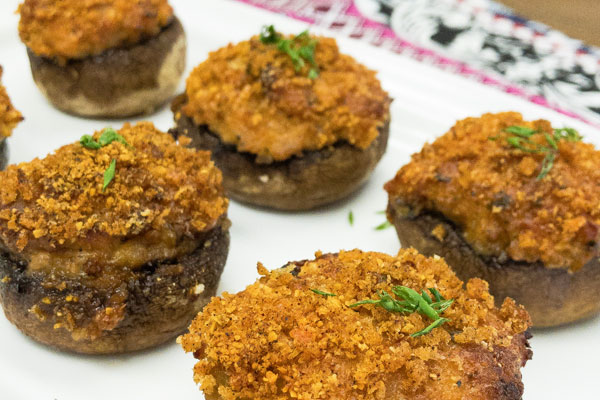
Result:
[{"x": 427, "y": 102}]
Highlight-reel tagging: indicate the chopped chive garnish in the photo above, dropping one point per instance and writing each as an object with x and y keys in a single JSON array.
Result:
[
  {"x": 317, "y": 291},
  {"x": 109, "y": 174},
  {"x": 351, "y": 218},
  {"x": 383, "y": 226},
  {"x": 521, "y": 131},
  {"x": 546, "y": 165},
  {"x": 269, "y": 35},
  {"x": 108, "y": 136},
  {"x": 88, "y": 142},
  {"x": 432, "y": 326}
]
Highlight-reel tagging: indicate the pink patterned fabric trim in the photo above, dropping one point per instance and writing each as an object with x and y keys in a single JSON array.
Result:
[{"x": 344, "y": 17}]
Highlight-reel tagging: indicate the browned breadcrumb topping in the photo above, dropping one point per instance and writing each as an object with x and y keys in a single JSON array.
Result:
[
  {"x": 491, "y": 191},
  {"x": 9, "y": 116},
  {"x": 70, "y": 29},
  {"x": 158, "y": 185},
  {"x": 279, "y": 340},
  {"x": 252, "y": 97}
]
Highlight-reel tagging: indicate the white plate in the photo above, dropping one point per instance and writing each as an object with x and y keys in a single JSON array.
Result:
[{"x": 427, "y": 102}]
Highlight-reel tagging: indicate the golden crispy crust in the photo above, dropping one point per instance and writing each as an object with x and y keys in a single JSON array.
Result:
[
  {"x": 252, "y": 97},
  {"x": 490, "y": 190},
  {"x": 9, "y": 117},
  {"x": 279, "y": 340},
  {"x": 158, "y": 184},
  {"x": 69, "y": 29}
]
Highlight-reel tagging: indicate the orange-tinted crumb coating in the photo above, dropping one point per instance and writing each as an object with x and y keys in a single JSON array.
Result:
[
  {"x": 70, "y": 29},
  {"x": 491, "y": 191},
  {"x": 158, "y": 184},
  {"x": 9, "y": 117},
  {"x": 279, "y": 340},
  {"x": 252, "y": 97}
]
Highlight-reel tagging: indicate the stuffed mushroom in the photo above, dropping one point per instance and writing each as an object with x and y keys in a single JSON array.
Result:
[
  {"x": 358, "y": 325},
  {"x": 112, "y": 244},
  {"x": 292, "y": 122},
  {"x": 104, "y": 58}
]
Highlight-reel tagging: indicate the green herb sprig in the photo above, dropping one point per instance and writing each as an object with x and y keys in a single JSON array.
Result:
[
  {"x": 108, "y": 136},
  {"x": 89, "y": 143},
  {"x": 301, "y": 48},
  {"x": 351, "y": 218},
  {"x": 411, "y": 302},
  {"x": 383, "y": 225},
  {"x": 109, "y": 174},
  {"x": 322, "y": 293},
  {"x": 520, "y": 138}
]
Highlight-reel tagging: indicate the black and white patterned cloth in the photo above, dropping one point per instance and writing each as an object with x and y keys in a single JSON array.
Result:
[{"x": 489, "y": 37}]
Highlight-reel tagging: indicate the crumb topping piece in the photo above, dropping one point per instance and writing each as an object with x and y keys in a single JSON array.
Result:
[
  {"x": 495, "y": 192},
  {"x": 254, "y": 97},
  {"x": 282, "y": 338},
  {"x": 9, "y": 116},
  {"x": 158, "y": 184},
  {"x": 71, "y": 29}
]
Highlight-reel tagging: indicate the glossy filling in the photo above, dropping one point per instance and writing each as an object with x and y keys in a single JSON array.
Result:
[{"x": 96, "y": 253}]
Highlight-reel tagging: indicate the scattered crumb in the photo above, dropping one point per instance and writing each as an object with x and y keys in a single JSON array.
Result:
[{"x": 439, "y": 232}]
